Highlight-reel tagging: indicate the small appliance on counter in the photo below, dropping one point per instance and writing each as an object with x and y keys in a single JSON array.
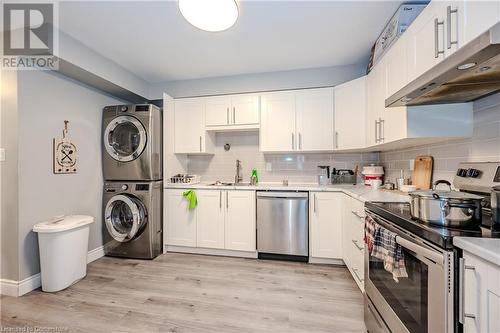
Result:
[
  {"x": 373, "y": 173},
  {"x": 324, "y": 175},
  {"x": 425, "y": 229}
]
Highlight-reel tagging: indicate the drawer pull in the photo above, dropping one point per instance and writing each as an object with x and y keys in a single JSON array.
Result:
[
  {"x": 357, "y": 214},
  {"x": 355, "y": 271}
]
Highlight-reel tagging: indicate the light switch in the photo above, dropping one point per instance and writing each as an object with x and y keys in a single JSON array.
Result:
[
  {"x": 269, "y": 167},
  {"x": 2, "y": 154}
]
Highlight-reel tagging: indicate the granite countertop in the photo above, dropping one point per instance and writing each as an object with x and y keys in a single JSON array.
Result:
[
  {"x": 485, "y": 248},
  {"x": 360, "y": 192}
]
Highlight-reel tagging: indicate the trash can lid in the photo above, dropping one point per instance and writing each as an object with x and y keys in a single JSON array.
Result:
[{"x": 63, "y": 223}]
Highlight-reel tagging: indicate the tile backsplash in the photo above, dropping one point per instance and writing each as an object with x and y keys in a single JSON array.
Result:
[
  {"x": 483, "y": 146},
  {"x": 296, "y": 167}
]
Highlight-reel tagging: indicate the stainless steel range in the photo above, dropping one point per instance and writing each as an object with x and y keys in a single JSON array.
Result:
[{"x": 428, "y": 299}]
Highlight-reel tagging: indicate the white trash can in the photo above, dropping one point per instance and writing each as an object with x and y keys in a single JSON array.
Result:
[{"x": 63, "y": 244}]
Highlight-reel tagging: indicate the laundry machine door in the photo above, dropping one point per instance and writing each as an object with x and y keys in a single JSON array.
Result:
[
  {"x": 125, "y": 216},
  {"x": 125, "y": 138}
]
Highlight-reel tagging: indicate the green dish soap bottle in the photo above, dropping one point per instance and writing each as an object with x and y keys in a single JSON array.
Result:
[{"x": 254, "y": 178}]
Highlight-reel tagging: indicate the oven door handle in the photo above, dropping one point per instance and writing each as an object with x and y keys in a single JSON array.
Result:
[{"x": 429, "y": 254}]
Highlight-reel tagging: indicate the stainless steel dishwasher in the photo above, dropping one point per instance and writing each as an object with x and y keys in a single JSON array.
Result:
[{"x": 283, "y": 225}]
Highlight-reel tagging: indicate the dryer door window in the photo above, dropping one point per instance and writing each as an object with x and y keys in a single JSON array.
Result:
[
  {"x": 125, "y": 217},
  {"x": 125, "y": 138}
]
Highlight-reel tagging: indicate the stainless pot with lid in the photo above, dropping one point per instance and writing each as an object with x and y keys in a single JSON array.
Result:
[{"x": 446, "y": 208}]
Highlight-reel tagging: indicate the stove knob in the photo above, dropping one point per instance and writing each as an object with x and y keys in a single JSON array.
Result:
[
  {"x": 474, "y": 173},
  {"x": 124, "y": 187},
  {"x": 462, "y": 173}
]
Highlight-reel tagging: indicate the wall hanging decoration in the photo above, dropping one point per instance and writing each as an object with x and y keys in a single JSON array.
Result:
[{"x": 64, "y": 153}]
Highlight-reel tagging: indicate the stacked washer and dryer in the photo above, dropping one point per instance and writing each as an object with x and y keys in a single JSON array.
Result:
[{"x": 133, "y": 187}]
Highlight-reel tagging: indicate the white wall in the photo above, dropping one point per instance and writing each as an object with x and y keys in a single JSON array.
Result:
[
  {"x": 483, "y": 146},
  {"x": 295, "y": 79},
  {"x": 45, "y": 101}
]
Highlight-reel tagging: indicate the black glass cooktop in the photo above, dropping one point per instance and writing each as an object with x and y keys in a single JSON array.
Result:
[{"x": 399, "y": 214}]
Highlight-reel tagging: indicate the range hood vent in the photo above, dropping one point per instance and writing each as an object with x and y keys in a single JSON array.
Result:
[{"x": 470, "y": 73}]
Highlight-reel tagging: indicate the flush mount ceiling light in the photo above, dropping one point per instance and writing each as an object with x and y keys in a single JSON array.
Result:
[{"x": 210, "y": 15}]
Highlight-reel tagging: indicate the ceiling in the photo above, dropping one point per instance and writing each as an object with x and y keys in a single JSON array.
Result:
[{"x": 152, "y": 39}]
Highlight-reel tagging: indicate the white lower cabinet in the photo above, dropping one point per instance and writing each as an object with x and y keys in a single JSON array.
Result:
[
  {"x": 240, "y": 226},
  {"x": 481, "y": 295},
  {"x": 353, "y": 238},
  {"x": 325, "y": 222},
  {"x": 180, "y": 228},
  {"x": 223, "y": 219}
]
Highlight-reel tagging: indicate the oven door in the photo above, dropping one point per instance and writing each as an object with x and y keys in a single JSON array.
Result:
[{"x": 420, "y": 303}]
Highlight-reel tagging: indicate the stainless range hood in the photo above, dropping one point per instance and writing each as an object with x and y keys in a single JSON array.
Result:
[{"x": 472, "y": 72}]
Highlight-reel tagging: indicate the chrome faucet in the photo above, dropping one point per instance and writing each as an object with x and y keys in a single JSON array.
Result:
[{"x": 238, "y": 178}]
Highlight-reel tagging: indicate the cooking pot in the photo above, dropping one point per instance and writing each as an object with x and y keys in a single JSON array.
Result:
[{"x": 446, "y": 208}]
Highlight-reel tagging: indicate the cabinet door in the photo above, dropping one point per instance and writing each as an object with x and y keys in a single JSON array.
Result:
[
  {"x": 326, "y": 225},
  {"x": 210, "y": 221},
  {"x": 426, "y": 35},
  {"x": 350, "y": 114},
  {"x": 245, "y": 109},
  {"x": 375, "y": 102},
  {"x": 180, "y": 221},
  {"x": 315, "y": 119},
  {"x": 240, "y": 225},
  {"x": 467, "y": 20},
  {"x": 277, "y": 122},
  {"x": 346, "y": 236},
  {"x": 189, "y": 119},
  {"x": 218, "y": 111},
  {"x": 396, "y": 67}
]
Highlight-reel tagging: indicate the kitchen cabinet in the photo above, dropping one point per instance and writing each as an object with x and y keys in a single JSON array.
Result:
[
  {"x": 353, "y": 238},
  {"x": 240, "y": 221},
  {"x": 231, "y": 110},
  {"x": 325, "y": 222},
  {"x": 481, "y": 294},
  {"x": 299, "y": 120},
  {"x": 180, "y": 221},
  {"x": 277, "y": 122},
  {"x": 190, "y": 136},
  {"x": 350, "y": 113},
  {"x": 315, "y": 119},
  {"x": 210, "y": 219},
  {"x": 375, "y": 103}
]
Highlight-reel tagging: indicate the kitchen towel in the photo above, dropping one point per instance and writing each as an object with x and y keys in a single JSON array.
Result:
[
  {"x": 386, "y": 248},
  {"x": 190, "y": 196}
]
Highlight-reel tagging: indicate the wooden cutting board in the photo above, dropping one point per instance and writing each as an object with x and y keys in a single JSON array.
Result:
[{"x": 422, "y": 172}]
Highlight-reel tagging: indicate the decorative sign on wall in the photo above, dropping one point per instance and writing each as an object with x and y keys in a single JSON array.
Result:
[{"x": 64, "y": 153}]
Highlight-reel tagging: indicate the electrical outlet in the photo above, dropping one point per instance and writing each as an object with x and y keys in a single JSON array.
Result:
[
  {"x": 412, "y": 165},
  {"x": 2, "y": 154},
  {"x": 269, "y": 167}
]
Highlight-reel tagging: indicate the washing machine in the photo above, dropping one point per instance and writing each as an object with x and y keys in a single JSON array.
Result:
[
  {"x": 133, "y": 224},
  {"x": 132, "y": 142}
]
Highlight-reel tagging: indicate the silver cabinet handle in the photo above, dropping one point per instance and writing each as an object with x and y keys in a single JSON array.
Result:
[
  {"x": 450, "y": 11},
  {"x": 461, "y": 289},
  {"x": 300, "y": 141},
  {"x": 376, "y": 131},
  {"x": 234, "y": 115},
  {"x": 355, "y": 242},
  {"x": 200, "y": 143},
  {"x": 437, "y": 23},
  {"x": 227, "y": 200},
  {"x": 381, "y": 131},
  {"x": 336, "y": 139},
  {"x": 314, "y": 202},
  {"x": 293, "y": 141},
  {"x": 220, "y": 199},
  {"x": 227, "y": 115},
  {"x": 355, "y": 270},
  {"x": 355, "y": 213}
]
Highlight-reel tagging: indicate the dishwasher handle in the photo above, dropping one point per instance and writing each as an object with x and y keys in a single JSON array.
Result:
[{"x": 282, "y": 195}]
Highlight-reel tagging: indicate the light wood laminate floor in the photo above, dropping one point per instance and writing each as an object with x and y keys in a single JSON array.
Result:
[{"x": 196, "y": 293}]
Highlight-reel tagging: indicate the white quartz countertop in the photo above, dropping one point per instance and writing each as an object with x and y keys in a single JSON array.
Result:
[
  {"x": 485, "y": 248},
  {"x": 360, "y": 192}
]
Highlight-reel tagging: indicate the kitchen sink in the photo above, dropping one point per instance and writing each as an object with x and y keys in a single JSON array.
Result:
[{"x": 229, "y": 184}]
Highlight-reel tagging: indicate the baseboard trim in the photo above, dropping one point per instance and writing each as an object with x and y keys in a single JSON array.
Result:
[
  {"x": 212, "y": 252},
  {"x": 95, "y": 254},
  {"x": 19, "y": 288},
  {"x": 326, "y": 261}
]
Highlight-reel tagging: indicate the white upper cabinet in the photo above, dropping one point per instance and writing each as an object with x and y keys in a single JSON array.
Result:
[
  {"x": 190, "y": 136},
  {"x": 426, "y": 46},
  {"x": 299, "y": 120},
  {"x": 396, "y": 66},
  {"x": 350, "y": 113},
  {"x": 277, "y": 122},
  {"x": 315, "y": 119},
  {"x": 375, "y": 85},
  {"x": 232, "y": 110}
]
